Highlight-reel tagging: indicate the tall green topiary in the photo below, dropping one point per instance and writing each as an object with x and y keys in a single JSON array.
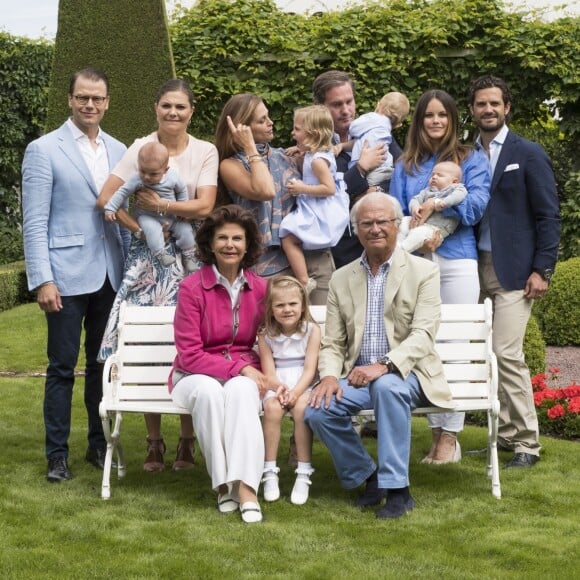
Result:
[
  {"x": 558, "y": 313},
  {"x": 129, "y": 41}
]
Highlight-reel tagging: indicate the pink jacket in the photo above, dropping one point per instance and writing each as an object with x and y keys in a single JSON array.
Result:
[{"x": 212, "y": 338}]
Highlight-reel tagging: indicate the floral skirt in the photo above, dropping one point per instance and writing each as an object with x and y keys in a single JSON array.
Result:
[{"x": 145, "y": 283}]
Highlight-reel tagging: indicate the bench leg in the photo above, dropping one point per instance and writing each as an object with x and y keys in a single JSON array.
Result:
[
  {"x": 492, "y": 458},
  {"x": 112, "y": 446}
]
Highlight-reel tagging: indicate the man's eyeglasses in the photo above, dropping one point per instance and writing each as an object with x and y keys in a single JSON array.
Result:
[
  {"x": 382, "y": 224},
  {"x": 84, "y": 100}
]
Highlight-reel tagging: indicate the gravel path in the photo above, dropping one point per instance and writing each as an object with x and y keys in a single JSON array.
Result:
[{"x": 567, "y": 359}]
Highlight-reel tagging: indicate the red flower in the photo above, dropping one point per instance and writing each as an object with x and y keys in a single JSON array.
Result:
[
  {"x": 556, "y": 411},
  {"x": 574, "y": 405}
]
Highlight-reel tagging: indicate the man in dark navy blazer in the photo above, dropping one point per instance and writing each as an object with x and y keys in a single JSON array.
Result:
[{"x": 518, "y": 246}]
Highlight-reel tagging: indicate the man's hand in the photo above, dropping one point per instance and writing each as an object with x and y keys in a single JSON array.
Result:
[
  {"x": 371, "y": 157},
  {"x": 363, "y": 375},
  {"x": 536, "y": 286},
  {"x": 48, "y": 298},
  {"x": 323, "y": 391}
]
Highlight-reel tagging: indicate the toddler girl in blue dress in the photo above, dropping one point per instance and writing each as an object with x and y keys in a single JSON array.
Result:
[{"x": 322, "y": 205}]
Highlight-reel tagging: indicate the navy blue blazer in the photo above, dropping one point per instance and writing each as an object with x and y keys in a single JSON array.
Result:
[{"x": 523, "y": 212}]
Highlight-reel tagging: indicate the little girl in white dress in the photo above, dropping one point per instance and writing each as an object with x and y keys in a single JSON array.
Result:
[
  {"x": 322, "y": 206},
  {"x": 288, "y": 344}
]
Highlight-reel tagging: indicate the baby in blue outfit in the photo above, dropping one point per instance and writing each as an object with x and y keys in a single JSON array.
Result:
[{"x": 155, "y": 173}]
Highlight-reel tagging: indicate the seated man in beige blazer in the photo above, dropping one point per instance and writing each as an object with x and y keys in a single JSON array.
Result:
[{"x": 378, "y": 353}]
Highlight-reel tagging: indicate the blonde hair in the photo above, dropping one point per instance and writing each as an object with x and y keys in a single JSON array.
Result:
[
  {"x": 395, "y": 106},
  {"x": 318, "y": 127},
  {"x": 271, "y": 326}
]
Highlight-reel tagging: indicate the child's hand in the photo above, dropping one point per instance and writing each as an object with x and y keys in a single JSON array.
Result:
[
  {"x": 294, "y": 186},
  {"x": 291, "y": 399},
  {"x": 110, "y": 216},
  {"x": 282, "y": 394},
  {"x": 425, "y": 210},
  {"x": 293, "y": 151}
]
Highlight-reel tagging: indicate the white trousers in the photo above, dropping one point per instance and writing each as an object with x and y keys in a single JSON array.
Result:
[
  {"x": 459, "y": 285},
  {"x": 226, "y": 420}
]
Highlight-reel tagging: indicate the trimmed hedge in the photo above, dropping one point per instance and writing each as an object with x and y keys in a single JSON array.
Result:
[
  {"x": 558, "y": 313},
  {"x": 129, "y": 41},
  {"x": 534, "y": 347},
  {"x": 13, "y": 286}
]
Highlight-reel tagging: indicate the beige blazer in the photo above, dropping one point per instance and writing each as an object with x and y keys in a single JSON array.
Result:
[{"x": 412, "y": 311}]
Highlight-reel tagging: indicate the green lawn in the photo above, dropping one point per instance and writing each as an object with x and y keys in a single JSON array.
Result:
[{"x": 166, "y": 525}]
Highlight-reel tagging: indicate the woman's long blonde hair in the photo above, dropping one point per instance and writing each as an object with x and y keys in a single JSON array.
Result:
[{"x": 271, "y": 327}]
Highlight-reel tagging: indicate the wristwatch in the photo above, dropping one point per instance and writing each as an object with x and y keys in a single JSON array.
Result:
[
  {"x": 545, "y": 273},
  {"x": 138, "y": 234},
  {"x": 386, "y": 361}
]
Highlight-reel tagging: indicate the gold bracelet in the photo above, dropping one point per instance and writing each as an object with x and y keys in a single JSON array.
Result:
[{"x": 253, "y": 159}]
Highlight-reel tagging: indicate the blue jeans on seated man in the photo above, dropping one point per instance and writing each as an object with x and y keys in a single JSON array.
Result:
[
  {"x": 90, "y": 311},
  {"x": 392, "y": 400}
]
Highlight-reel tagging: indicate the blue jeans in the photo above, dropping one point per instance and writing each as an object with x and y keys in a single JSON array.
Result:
[
  {"x": 63, "y": 346},
  {"x": 392, "y": 399}
]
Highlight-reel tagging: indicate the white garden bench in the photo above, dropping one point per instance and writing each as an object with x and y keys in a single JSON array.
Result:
[{"x": 135, "y": 377}]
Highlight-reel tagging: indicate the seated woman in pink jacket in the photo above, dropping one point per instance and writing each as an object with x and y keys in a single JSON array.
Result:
[{"x": 216, "y": 373}]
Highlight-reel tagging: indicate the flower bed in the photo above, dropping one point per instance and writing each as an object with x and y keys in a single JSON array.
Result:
[{"x": 558, "y": 408}]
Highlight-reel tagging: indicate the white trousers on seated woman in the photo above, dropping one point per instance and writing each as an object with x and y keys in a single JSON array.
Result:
[
  {"x": 459, "y": 285},
  {"x": 226, "y": 420}
]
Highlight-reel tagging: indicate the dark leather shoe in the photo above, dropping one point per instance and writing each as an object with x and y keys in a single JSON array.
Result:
[
  {"x": 373, "y": 494},
  {"x": 96, "y": 457},
  {"x": 523, "y": 460},
  {"x": 58, "y": 470},
  {"x": 398, "y": 504}
]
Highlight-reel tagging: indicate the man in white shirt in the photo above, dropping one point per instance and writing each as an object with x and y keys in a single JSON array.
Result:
[{"x": 74, "y": 259}]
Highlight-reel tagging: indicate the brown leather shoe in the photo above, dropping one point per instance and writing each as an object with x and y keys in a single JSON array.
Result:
[
  {"x": 185, "y": 452},
  {"x": 154, "y": 460}
]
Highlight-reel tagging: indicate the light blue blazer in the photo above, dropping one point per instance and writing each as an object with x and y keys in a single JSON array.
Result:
[{"x": 66, "y": 238}]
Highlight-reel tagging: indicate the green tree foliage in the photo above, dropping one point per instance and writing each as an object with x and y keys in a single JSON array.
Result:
[
  {"x": 24, "y": 73},
  {"x": 129, "y": 41},
  {"x": 534, "y": 347}
]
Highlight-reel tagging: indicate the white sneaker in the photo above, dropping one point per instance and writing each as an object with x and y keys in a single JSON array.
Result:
[
  {"x": 301, "y": 488},
  {"x": 190, "y": 263},
  {"x": 270, "y": 481}
]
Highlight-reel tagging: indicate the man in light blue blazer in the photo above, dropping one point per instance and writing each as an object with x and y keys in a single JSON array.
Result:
[
  {"x": 74, "y": 259},
  {"x": 518, "y": 247},
  {"x": 378, "y": 352}
]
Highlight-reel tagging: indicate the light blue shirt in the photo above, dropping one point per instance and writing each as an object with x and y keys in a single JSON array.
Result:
[
  {"x": 375, "y": 342},
  {"x": 484, "y": 242}
]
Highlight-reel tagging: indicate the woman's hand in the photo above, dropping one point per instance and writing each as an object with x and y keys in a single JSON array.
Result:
[
  {"x": 258, "y": 377},
  {"x": 242, "y": 136},
  {"x": 148, "y": 200},
  {"x": 430, "y": 245}
]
